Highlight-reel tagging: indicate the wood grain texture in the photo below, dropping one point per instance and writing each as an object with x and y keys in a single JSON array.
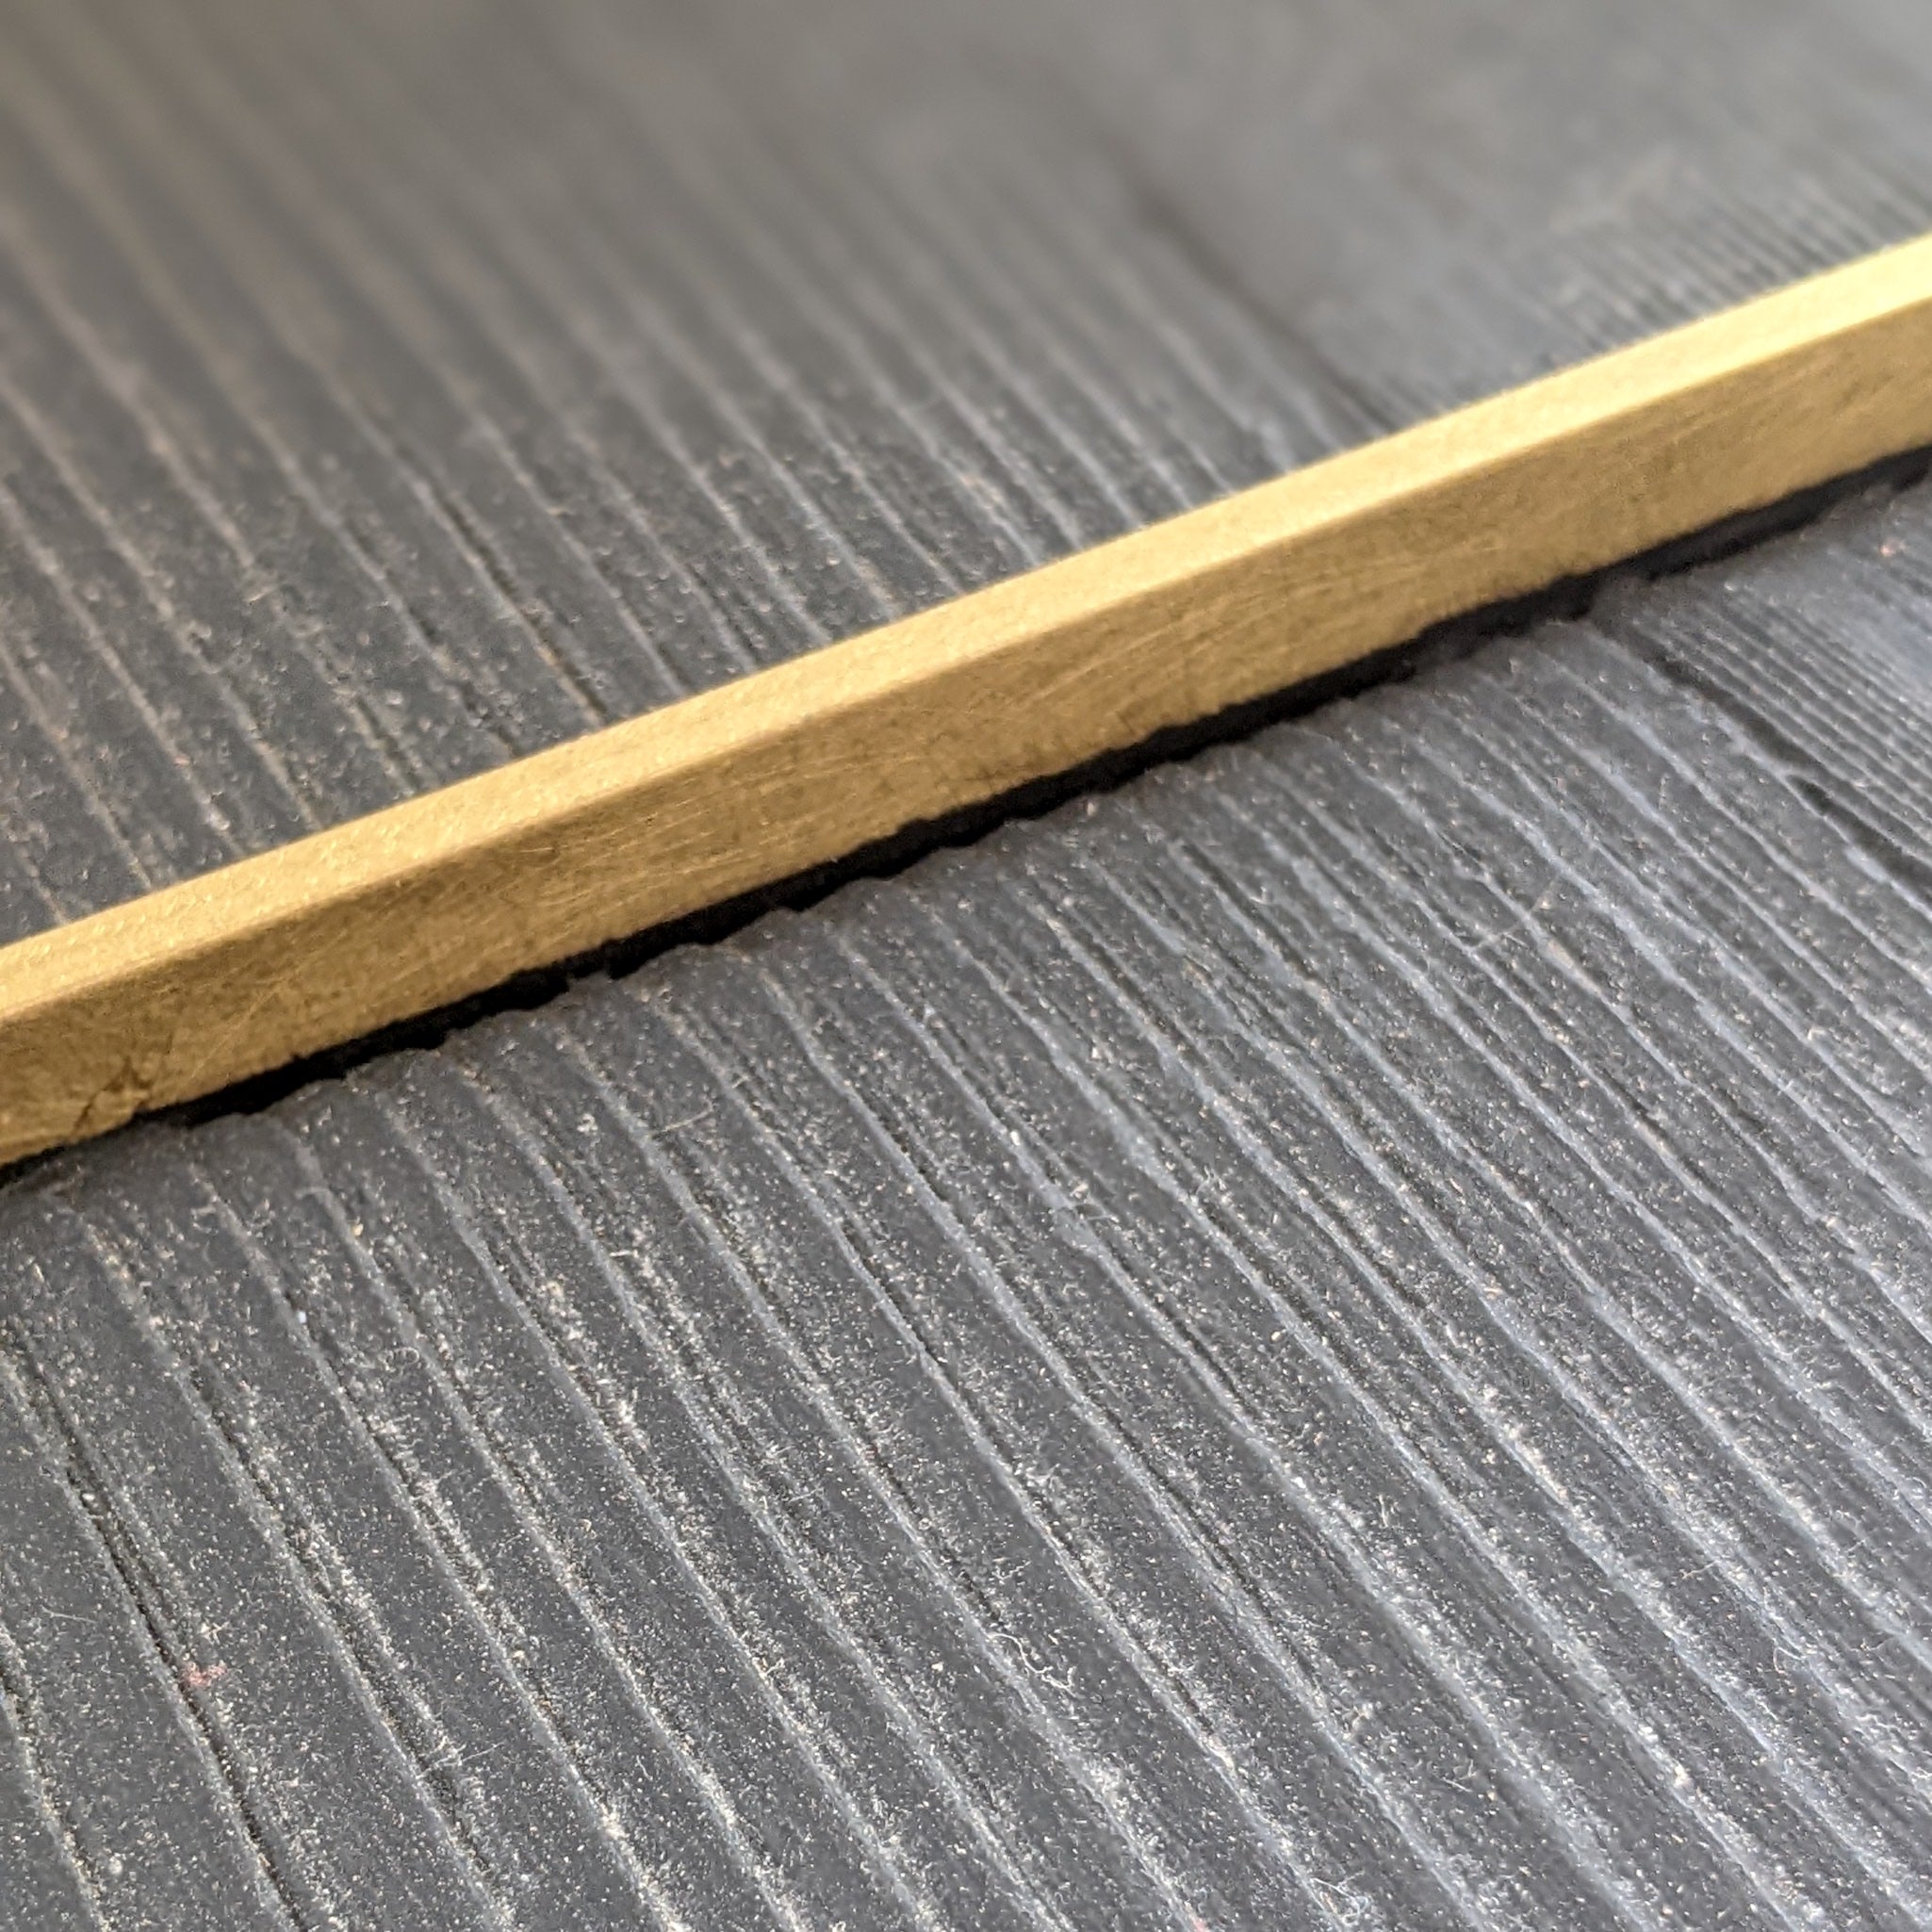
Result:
[
  {"x": 392, "y": 390},
  {"x": 395, "y": 389},
  {"x": 1338, "y": 1337},
  {"x": 194, "y": 987}
]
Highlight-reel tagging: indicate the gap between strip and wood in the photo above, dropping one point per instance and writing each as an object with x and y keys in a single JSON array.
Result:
[{"x": 856, "y": 757}]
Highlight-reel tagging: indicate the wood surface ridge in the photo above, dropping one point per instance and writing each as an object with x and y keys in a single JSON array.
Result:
[{"x": 228, "y": 975}]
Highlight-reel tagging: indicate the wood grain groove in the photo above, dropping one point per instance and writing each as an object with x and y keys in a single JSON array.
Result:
[{"x": 243, "y": 970}]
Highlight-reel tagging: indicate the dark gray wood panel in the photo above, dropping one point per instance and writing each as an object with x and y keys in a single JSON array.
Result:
[
  {"x": 1342, "y": 1335},
  {"x": 1336, "y": 1337},
  {"x": 386, "y": 391}
]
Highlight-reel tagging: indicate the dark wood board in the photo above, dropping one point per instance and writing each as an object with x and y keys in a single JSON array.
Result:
[
  {"x": 1337, "y": 1335},
  {"x": 389, "y": 389}
]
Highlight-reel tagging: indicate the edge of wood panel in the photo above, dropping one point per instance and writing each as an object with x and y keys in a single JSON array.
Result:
[{"x": 276, "y": 957}]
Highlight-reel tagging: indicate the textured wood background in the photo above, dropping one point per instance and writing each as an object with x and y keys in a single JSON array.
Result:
[
  {"x": 389, "y": 389},
  {"x": 1761, "y": 413},
  {"x": 1336, "y": 1337}
]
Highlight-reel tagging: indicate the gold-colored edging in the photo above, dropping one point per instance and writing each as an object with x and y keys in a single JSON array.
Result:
[{"x": 228, "y": 975}]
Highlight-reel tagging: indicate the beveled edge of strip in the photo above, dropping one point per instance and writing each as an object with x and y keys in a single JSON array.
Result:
[{"x": 409, "y": 909}]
